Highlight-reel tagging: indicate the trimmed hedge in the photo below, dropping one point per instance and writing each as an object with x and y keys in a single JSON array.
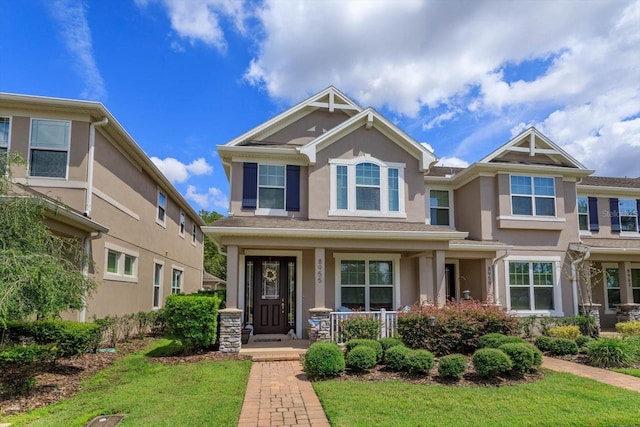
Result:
[
  {"x": 387, "y": 343},
  {"x": 395, "y": 356},
  {"x": 360, "y": 327},
  {"x": 568, "y": 331},
  {"x": 374, "y": 345},
  {"x": 70, "y": 338},
  {"x": 522, "y": 355},
  {"x": 20, "y": 364},
  {"x": 192, "y": 319},
  {"x": 490, "y": 362},
  {"x": 563, "y": 346},
  {"x": 495, "y": 340},
  {"x": 418, "y": 362},
  {"x": 361, "y": 358},
  {"x": 544, "y": 343},
  {"x": 323, "y": 360},
  {"x": 452, "y": 366},
  {"x": 628, "y": 329}
]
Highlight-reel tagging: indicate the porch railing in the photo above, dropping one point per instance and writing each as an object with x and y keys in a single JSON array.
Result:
[{"x": 388, "y": 322}]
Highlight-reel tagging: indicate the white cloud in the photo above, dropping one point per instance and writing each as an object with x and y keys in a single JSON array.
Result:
[
  {"x": 212, "y": 198},
  {"x": 179, "y": 172},
  {"x": 453, "y": 162},
  {"x": 427, "y": 146},
  {"x": 74, "y": 29}
]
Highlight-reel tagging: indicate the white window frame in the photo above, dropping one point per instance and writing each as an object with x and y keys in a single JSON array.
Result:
[
  {"x": 533, "y": 196},
  {"x": 271, "y": 211},
  {"x": 351, "y": 185},
  {"x": 121, "y": 253},
  {"x": 394, "y": 258},
  {"x": 67, "y": 150},
  {"x": 611, "y": 266},
  {"x": 627, "y": 233},
  {"x": 182, "y": 223},
  {"x": 586, "y": 232},
  {"x": 180, "y": 288},
  {"x": 557, "y": 288},
  {"x": 159, "y": 285},
  {"x": 194, "y": 233},
  {"x": 451, "y": 208},
  {"x": 8, "y": 146},
  {"x": 162, "y": 222}
]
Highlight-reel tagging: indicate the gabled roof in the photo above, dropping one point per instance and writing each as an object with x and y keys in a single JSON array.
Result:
[
  {"x": 537, "y": 147},
  {"x": 370, "y": 118}
]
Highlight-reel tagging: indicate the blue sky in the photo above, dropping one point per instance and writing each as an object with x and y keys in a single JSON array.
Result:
[{"x": 183, "y": 76}]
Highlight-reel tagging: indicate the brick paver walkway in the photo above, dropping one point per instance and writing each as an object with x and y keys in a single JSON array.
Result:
[
  {"x": 604, "y": 376},
  {"x": 278, "y": 394}
]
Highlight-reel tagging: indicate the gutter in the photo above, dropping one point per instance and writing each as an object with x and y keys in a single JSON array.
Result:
[
  {"x": 85, "y": 271},
  {"x": 92, "y": 143},
  {"x": 494, "y": 264}
]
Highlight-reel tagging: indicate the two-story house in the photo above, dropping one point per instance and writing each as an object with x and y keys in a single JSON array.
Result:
[
  {"x": 100, "y": 187},
  {"x": 334, "y": 207}
]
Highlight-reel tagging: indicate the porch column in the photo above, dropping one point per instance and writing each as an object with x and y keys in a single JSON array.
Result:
[
  {"x": 319, "y": 279},
  {"x": 425, "y": 275},
  {"x": 232, "y": 277},
  {"x": 486, "y": 266},
  {"x": 439, "y": 282},
  {"x": 624, "y": 274}
]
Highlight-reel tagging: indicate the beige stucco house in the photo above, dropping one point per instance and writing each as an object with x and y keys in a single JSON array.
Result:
[
  {"x": 334, "y": 207},
  {"x": 144, "y": 238}
]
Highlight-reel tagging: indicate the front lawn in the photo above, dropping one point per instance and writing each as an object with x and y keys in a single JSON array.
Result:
[
  {"x": 557, "y": 400},
  {"x": 628, "y": 371},
  {"x": 202, "y": 393}
]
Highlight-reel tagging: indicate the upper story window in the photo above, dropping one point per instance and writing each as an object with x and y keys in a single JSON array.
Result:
[
  {"x": 440, "y": 207},
  {"x": 271, "y": 186},
  {"x": 4, "y": 134},
  {"x": 628, "y": 210},
  {"x": 182, "y": 224},
  {"x": 162, "y": 208},
  {"x": 583, "y": 214},
  {"x": 533, "y": 196},
  {"x": 194, "y": 233},
  {"x": 367, "y": 187},
  {"x": 49, "y": 148},
  {"x": 271, "y": 189}
]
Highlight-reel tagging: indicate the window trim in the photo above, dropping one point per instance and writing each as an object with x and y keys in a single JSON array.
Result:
[
  {"x": 121, "y": 252},
  {"x": 351, "y": 188},
  {"x": 586, "y": 232},
  {"x": 451, "y": 208},
  {"x": 367, "y": 257},
  {"x": 605, "y": 266},
  {"x": 557, "y": 285},
  {"x": 271, "y": 211},
  {"x": 175, "y": 268},
  {"x": 182, "y": 224},
  {"x": 194, "y": 234},
  {"x": 160, "y": 284},
  {"x": 30, "y": 147},
  {"x": 533, "y": 197},
  {"x": 10, "y": 121},
  {"x": 162, "y": 222},
  {"x": 627, "y": 233}
]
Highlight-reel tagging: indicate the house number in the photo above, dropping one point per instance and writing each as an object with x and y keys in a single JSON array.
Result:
[{"x": 319, "y": 272}]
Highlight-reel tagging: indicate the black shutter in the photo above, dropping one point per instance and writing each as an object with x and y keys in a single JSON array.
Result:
[
  {"x": 249, "y": 185},
  {"x": 593, "y": 214},
  {"x": 613, "y": 214},
  {"x": 293, "y": 188}
]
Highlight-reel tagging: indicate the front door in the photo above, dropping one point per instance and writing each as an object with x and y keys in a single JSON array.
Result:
[
  {"x": 272, "y": 279},
  {"x": 450, "y": 279}
]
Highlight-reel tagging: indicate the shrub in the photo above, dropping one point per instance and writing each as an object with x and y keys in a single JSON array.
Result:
[
  {"x": 490, "y": 362},
  {"x": 361, "y": 358},
  {"x": 452, "y": 366},
  {"x": 563, "y": 346},
  {"x": 458, "y": 326},
  {"x": 395, "y": 356},
  {"x": 192, "y": 320},
  {"x": 360, "y": 327},
  {"x": 387, "y": 343},
  {"x": 374, "y": 345},
  {"x": 143, "y": 320},
  {"x": 418, "y": 361},
  {"x": 634, "y": 342},
  {"x": 495, "y": 340},
  {"x": 582, "y": 342},
  {"x": 628, "y": 329},
  {"x": 323, "y": 360},
  {"x": 20, "y": 364},
  {"x": 569, "y": 331},
  {"x": 544, "y": 343},
  {"x": 611, "y": 352},
  {"x": 522, "y": 355},
  {"x": 158, "y": 322},
  {"x": 70, "y": 338}
]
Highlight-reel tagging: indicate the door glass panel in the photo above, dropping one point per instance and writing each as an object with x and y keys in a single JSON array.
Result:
[
  {"x": 270, "y": 276},
  {"x": 291, "y": 318},
  {"x": 248, "y": 276}
]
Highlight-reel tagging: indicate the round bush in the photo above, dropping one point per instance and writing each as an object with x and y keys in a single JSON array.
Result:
[
  {"x": 544, "y": 343},
  {"x": 522, "y": 356},
  {"x": 562, "y": 346},
  {"x": 418, "y": 361},
  {"x": 373, "y": 344},
  {"x": 582, "y": 341},
  {"x": 394, "y": 357},
  {"x": 495, "y": 340},
  {"x": 452, "y": 366},
  {"x": 568, "y": 331},
  {"x": 611, "y": 352},
  {"x": 361, "y": 358},
  {"x": 323, "y": 359},
  {"x": 387, "y": 343},
  {"x": 490, "y": 362}
]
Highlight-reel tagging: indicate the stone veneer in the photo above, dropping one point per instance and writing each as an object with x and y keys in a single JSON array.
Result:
[
  {"x": 592, "y": 310},
  {"x": 628, "y": 312},
  {"x": 230, "y": 330},
  {"x": 321, "y": 332}
]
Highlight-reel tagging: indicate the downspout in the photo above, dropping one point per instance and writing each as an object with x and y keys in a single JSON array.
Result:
[
  {"x": 494, "y": 264},
  {"x": 586, "y": 254},
  {"x": 85, "y": 271},
  {"x": 91, "y": 156}
]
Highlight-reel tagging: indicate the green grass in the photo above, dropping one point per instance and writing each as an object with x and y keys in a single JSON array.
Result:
[
  {"x": 629, "y": 371},
  {"x": 557, "y": 400},
  {"x": 191, "y": 394}
]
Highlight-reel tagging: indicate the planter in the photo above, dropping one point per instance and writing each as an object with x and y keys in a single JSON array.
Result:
[{"x": 246, "y": 333}]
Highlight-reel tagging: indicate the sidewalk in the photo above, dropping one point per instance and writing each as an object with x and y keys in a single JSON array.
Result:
[
  {"x": 602, "y": 375},
  {"x": 278, "y": 394}
]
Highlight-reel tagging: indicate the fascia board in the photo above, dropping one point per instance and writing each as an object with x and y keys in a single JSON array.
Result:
[{"x": 591, "y": 190}]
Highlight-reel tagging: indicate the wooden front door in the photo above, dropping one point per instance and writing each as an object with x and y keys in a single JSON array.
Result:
[{"x": 271, "y": 295}]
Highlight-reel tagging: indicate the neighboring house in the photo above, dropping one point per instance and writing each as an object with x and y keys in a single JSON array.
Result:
[
  {"x": 213, "y": 283},
  {"x": 333, "y": 206},
  {"x": 100, "y": 187}
]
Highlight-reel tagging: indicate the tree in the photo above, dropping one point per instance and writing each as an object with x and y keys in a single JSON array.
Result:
[
  {"x": 214, "y": 262},
  {"x": 40, "y": 273}
]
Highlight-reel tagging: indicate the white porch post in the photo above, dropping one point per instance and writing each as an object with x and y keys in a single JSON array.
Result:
[
  {"x": 624, "y": 276},
  {"x": 439, "y": 282},
  {"x": 319, "y": 278},
  {"x": 487, "y": 281},
  {"x": 425, "y": 270},
  {"x": 232, "y": 277}
]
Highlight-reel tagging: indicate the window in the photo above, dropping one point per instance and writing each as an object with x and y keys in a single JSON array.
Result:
[
  {"x": 583, "y": 214},
  {"x": 612, "y": 285},
  {"x": 176, "y": 281},
  {"x": 4, "y": 135},
  {"x": 182, "y": 223},
  {"x": 157, "y": 283},
  {"x": 533, "y": 196},
  {"x": 121, "y": 263},
  {"x": 366, "y": 282},
  {"x": 194, "y": 233},
  {"x": 635, "y": 284},
  {"x": 628, "y": 211},
  {"x": 367, "y": 187},
  {"x": 271, "y": 187},
  {"x": 162, "y": 208},
  {"x": 440, "y": 207},
  {"x": 532, "y": 285},
  {"x": 49, "y": 148}
]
